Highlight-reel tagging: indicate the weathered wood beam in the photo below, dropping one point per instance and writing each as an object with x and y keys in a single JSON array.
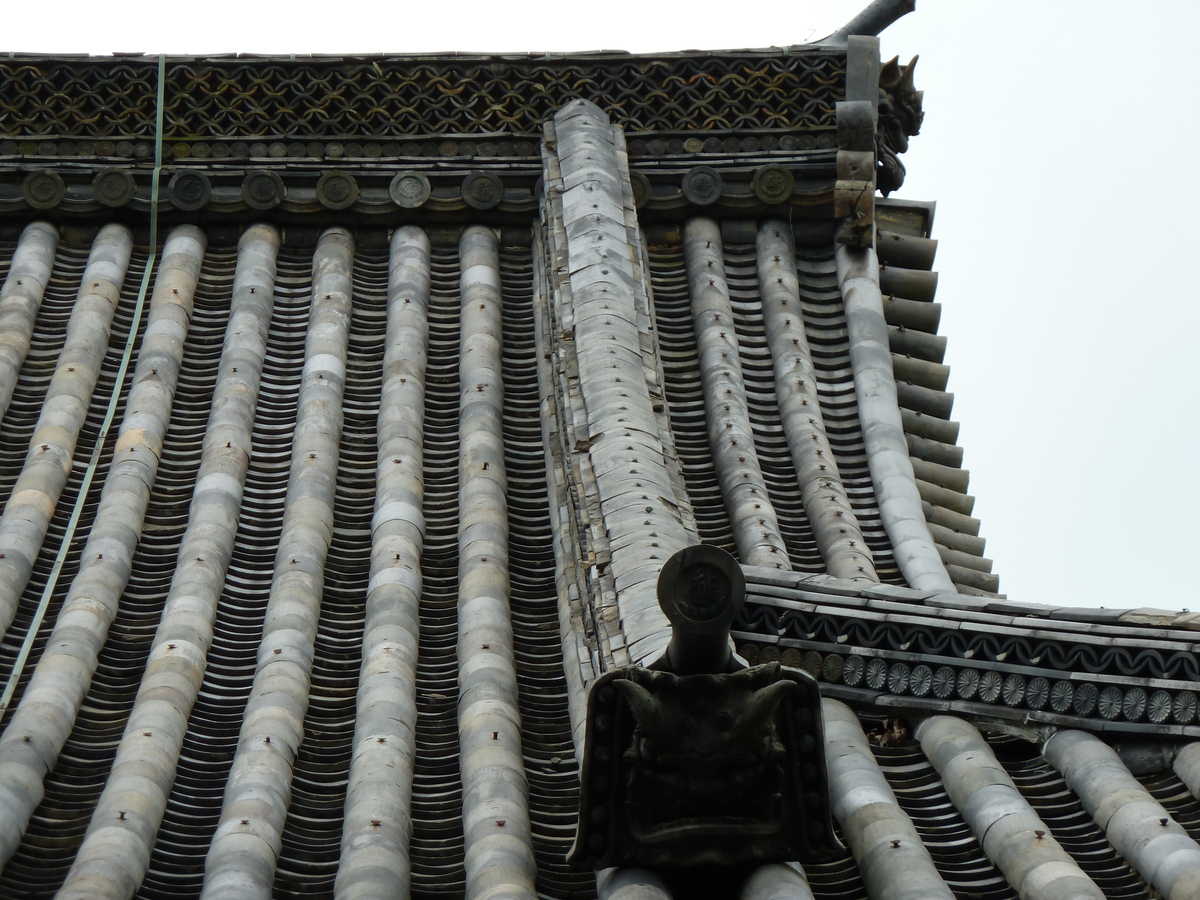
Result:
[
  {"x": 115, "y": 853},
  {"x": 42, "y": 723},
  {"x": 20, "y": 300},
  {"x": 890, "y": 854},
  {"x": 378, "y": 820},
  {"x": 497, "y": 836},
  {"x": 730, "y": 434},
  {"x": 835, "y": 526},
  {"x": 883, "y": 430},
  {"x": 241, "y": 859},
  {"x": 1011, "y": 833},
  {"x": 52, "y": 448},
  {"x": 1135, "y": 823}
]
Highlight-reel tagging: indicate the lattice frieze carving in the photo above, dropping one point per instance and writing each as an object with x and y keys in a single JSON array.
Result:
[
  {"x": 1114, "y": 686},
  {"x": 392, "y": 98}
]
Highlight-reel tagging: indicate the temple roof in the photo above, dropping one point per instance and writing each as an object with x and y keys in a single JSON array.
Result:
[{"x": 327, "y": 496}]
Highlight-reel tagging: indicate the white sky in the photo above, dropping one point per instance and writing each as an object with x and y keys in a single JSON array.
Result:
[{"x": 1056, "y": 141}]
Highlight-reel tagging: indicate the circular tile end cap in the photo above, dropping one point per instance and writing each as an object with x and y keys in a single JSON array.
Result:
[
  {"x": 641, "y": 188},
  {"x": 43, "y": 189},
  {"x": 337, "y": 190},
  {"x": 702, "y": 185},
  {"x": 482, "y": 190},
  {"x": 262, "y": 190},
  {"x": 113, "y": 186},
  {"x": 189, "y": 191},
  {"x": 773, "y": 183},
  {"x": 701, "y": 589},
  {"x": 409, "y": 189}
]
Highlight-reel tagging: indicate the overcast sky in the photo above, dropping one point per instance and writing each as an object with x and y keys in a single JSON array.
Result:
[{"x": 1056, "y": 140}]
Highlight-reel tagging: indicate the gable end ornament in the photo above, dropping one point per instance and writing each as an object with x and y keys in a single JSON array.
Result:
[{"x": 698, "y": 758}]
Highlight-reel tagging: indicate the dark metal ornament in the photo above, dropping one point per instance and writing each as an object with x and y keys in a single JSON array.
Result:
[
  {"x": 482, "y": 190},
  {"x": 702, "y": 186},
  {"x": 745, "y": 744},
  {"x": 409, "y": 189},
  {"x": 701, "y": 589},
  {"x": 773, "y": 184},
  {"x": 43, "y": 189},
  {"x": 337, "y": 190},
  {"x": 113, "y": 187},
  {"x": 262, "y": 190},
  {"x": 696, "y": 759},
  {"x": 189, "y": 191}
]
